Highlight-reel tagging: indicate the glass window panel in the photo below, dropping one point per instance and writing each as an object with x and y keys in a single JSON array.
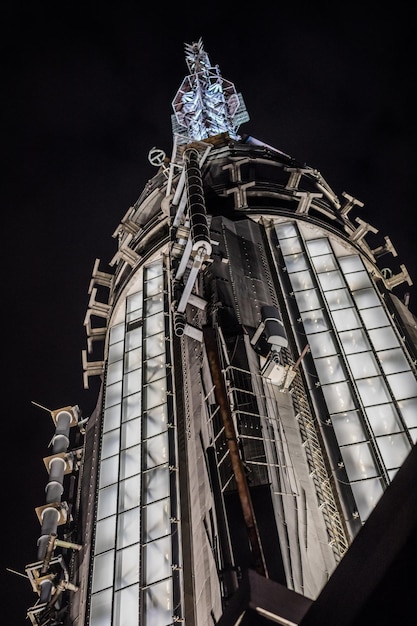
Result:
[
  {"x": 156, "y": 484},
  {"x": 116, "y": 352},
  {"x": 366, "y": 298},
  {"x": 318, "y": 246},
  {"x": 375, "y": 317},
  {"x": 105, "y": 534},
  {"x": 155, "y": 420},
  {"x": 408, "y": 409},
  {"x": 156, "y": 520},
  {"x": 314, "y": 321},
  {"x": 373, "y": 391},
  {"x": 134, "y": 338},
  {"x": 116, "y": 333},
  {"x": 157, "y": 560},
  {"x": 132, "y": 382},
  {"x": 354, "y": 341},
  {"x": 296, "y": 262},
  {"x": 330, "y": 369},
  {"x": 301, "y": 280},
  {"x": 134, "y": 302},
  {"x": 383, "y": 419},
  {"x": 107, "y": 499},
  {"x": 291, "y": 245},
  {"x": 154, "y": 368},
  {"x": 358, "y": 280},
  {"x": 393, "y": 361},
  {"x": 331, "y": 280},
  {"x": 338, "y": 398},
  {"x": 127, "y": 566},
  {"x": 403, "y": 385},
  {"x": 111, "y": 418},
  {"x": 383, "y": 338},
  {"x": 366, "y": 494},
  {"x": 154, "y": 393},
  {"x": 339, "y": 299},
  {"x": 351, "y": 263},
  {"x": 359, "y": 461},
  {"x": 394, "y": 449},
  {"x": 131, "y": 433},
  {"x": 128, "y": 528},
  {"x": 129, "y": 495},
  {"x": 133, "y": 359},
  {"x": 158, "y": 603},
  {"x": 132, "y": 406},
  {"x": 348, "y": 428},
  {"x": 113, "y": 394},
  {"x": 114, "y": 372},
  {"x": 322, "y": 344},
  {"x": 346, "y": 319},
  {"x": 103, "y": 571},
  {"x": 154, "y": 345},
  {"x": 156, "y": 450},
  {"x": 152, "y": 270},
  {"x": 154, "y": 324},
  {"x": 126, "y": 606},
  {"x": 363, "y": 365},
  {"x": 286, "y": 230},
  {"x": 130, "y": 462},
  {"x": 109, "y": 471},
  {"x": 100, "y": 612},
  {"x": 154, "y": 286},
  {"x": 111, "y": 443},
  {"x": 324, "y": 263},
  {"x": 413, "y": 434},
  {"x": 153, "y": 305},
  {"x": 308, "y": 300}
]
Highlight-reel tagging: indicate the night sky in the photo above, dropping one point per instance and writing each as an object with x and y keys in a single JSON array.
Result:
[{"x": 86, "y": 93}]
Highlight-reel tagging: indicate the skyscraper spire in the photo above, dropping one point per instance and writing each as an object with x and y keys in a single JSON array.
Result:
[{"x": 206, "y": 104}]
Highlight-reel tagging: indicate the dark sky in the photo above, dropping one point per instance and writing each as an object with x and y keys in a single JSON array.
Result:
[{"x": 86, "y": 93}]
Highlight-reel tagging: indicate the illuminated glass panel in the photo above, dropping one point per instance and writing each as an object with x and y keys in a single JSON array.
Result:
[
  {"x": 116, "y": 352},
  {"x": 393, "y": 361},
  {"x": 366, "y": 298},
  {"x": 359, "y": 461},
  {"x": 157, "y": 560},
  {"x": 155, "y": 345},
  {"x": 286, "y": 230},
  {"x": 107, "y": 502},
  {"x": 130, "y": 462},
  {"x": 324, "y": 263},
  {"x": 403, "y": 385},
  {"x": 296, "y": 262},
  {"x": 113, "y": 394},
  {"x": 322, "y": 344},
  {"x": 103, "y": 571},
  {"x": 133, "y": 360},
  {"x": 314, "y": 321},
  {"x": 134, "y": 339},
  {"x": 156, "y": 484},
  {"x": 292, "y": 245},
  {"x": 317, "y": 247},
  {"x": 128, "y": 528},
  {"x": 100, "y": 613},
  {"x": 158, "y": 604},
  {"x": 154, "y": 368},
  {"x": 117, "y": 334},
  {"x": 111, "y": 418},
  {"x": 383, "y": 419},
  {"x": 330, "y": 369},
  {"x": 308, "y": 300},
  {"x": 132, "y": 406},
  {"x": 155, "y": 393},
  {"x": 114, "y": 372},
  {"x": 105, "y": 534},
  {"x": 394, "y": 449},
  {"x": 156, "y": 420},
  {"x": 156, "y": 520},
  {"x": 363, "y": 365},
  {"x": 351, "y": 263},
  {"x": 366, "y": 494},
  {"x": 358, "y": 280},
  {"x": 338, "y": 397},
  {"x": 373, "y": 391},
  {"x": 132, "y": 382},
  {"x": 383, "y": 338},
  {"x": 110, "y": 443},
  {"x": 408, "y": 409},
  {"x": 131, "y": 433},
  {"x": 156, "y": 450},
  {"x": 129, "y": 494},
  {"x": 346, "y": 319},
  {"x": 331, "y": 280},
  {"x": 127, "y": 566},
  {"x": 154, "y": 324},
  {"x": 338, "y": 299},
  {"x": 154, "y": 285},
  {"x": 126, "y": 606},
  {"x": 108, "y": 471},
  {"x": 354, "y": 341},
  {"x": 374, "y": 317},
  {"x": 348, "y": 428},
  {"x": 153, "y": 305}
]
